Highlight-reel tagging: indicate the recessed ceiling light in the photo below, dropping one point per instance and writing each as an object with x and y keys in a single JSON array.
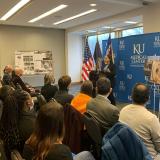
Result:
[
  {"x": 76, "y": 16},
  {"x": 130, "y": 22},
  {"x": 14, "y": 9},
  {"x": 93, "y": 5},
  {"x": 60, "y": 7}
]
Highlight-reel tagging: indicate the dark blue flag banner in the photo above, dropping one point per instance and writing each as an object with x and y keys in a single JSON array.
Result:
[
  {"x": 97, "y": 56},
  {"x": 137, "y": 59}
]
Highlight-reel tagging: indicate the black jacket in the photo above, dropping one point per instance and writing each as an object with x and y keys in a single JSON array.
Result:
[
  {"x": 48, "y": 91},
  {"x": 110, "y": 73},
  {"x": 26, "y": 125},
  {"x": 63, "y": 97},
  {"x": 17, "y": 81}
]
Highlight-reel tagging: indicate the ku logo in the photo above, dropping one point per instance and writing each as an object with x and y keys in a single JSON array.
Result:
[
  {"x": 129, "y": 98},
  {"x": 121, "y": 63},
  {"x": 121, "y": 45},
  {"x": 122, "y": 83},
  {"x": 129, "y": 76},
  {"x": 157, "y": 38},
  {"x": 121, "y": 42},
  {"x": 138, "y": 48}
]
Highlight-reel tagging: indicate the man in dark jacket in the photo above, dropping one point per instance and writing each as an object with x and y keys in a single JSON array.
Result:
[{"x": 62, "y": 96}]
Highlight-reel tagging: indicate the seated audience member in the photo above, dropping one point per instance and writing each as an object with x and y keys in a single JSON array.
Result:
[
  {"x": 5, "y": 91},
  {"x": 81, "y": 99},
  {"x": 45, "y": 143},
  {"x": 7, "y": 77},
  {"x": 62, "y": 96},
  {"x": 49, "y": 90},
  {"x": 27, "y": 116},
  {"x": 143, "y": 122},
  {"x": 9, "y": 132},
  {"x": 17, "y": 81},
  {"x": 100, "y": 107}
]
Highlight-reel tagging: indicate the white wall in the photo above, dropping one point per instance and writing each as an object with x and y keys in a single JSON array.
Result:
[
  {"x": 74, "y": 56},
  {"x": 14, "y": 38}
]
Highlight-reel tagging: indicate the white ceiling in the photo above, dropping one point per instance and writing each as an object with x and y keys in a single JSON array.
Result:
[{"x": 106, "y": 8}]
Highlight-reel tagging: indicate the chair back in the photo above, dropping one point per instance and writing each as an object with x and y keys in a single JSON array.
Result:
[
  {"x": 73, "y": 128},
  {"x": 122, "y": 143},
  {"x": 94, "y": 132}
]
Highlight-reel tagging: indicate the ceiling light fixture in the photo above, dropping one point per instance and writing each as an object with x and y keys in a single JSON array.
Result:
[
  {"x": 60, "y": 7},
  {"x": 76, "y": 16},
  {"x": 14, "y": 9},
  {"x": 93, "y": 5},
  {"x": 130, "y": 22}
]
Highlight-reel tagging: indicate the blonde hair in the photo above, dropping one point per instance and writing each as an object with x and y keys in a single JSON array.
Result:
[{"x": 49, "y": 78}]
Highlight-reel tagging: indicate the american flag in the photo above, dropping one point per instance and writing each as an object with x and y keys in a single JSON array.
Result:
[{"x": 88, "y": 63}]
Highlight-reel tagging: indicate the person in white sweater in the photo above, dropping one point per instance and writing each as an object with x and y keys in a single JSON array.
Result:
[{"x": 142, "y": 121}]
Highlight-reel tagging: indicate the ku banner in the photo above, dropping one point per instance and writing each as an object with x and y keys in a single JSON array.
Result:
[{"x": 137, "y": 59}]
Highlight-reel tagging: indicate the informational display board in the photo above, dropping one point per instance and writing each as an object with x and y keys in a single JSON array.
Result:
[
  {"x": 34, "y": 62},
  {"x": 137, "y": 59}
]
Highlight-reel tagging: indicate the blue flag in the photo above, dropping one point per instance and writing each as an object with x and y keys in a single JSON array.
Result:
[{"x": 97, "y": 56}]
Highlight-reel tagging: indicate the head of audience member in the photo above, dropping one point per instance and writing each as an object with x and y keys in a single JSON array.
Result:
[
  {"x": 24, "y": 100},
  {"x": 104, "y": 86},
  {"x": 5, "y": 91},
  {"x": 140, "y": 94},
  {"x": 64, "y": 82},
  {"x": 87, "y": 88},
  {"x": 8, "y": 69},
  {"x": 49, "y": 78},
  {"x": 49, "y": 129},
  {"x": 18, "y": 72}
]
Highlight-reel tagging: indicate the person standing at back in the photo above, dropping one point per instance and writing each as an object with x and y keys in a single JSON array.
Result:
[
  {"x": 100, "y": 107},
  {"x": 109, "y": 71},
  {"x": 142, "y": 121},
  {"x": 62, "y": 96},
  {"x": 49, "y": 90}
]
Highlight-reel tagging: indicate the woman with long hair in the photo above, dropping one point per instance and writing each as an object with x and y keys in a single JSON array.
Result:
[
  {"x": 9, "y": 132},
  {"x": 45, "y": 143}
]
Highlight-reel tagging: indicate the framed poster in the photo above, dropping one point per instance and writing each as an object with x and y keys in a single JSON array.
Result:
[{"x": 34, "y": 62}]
